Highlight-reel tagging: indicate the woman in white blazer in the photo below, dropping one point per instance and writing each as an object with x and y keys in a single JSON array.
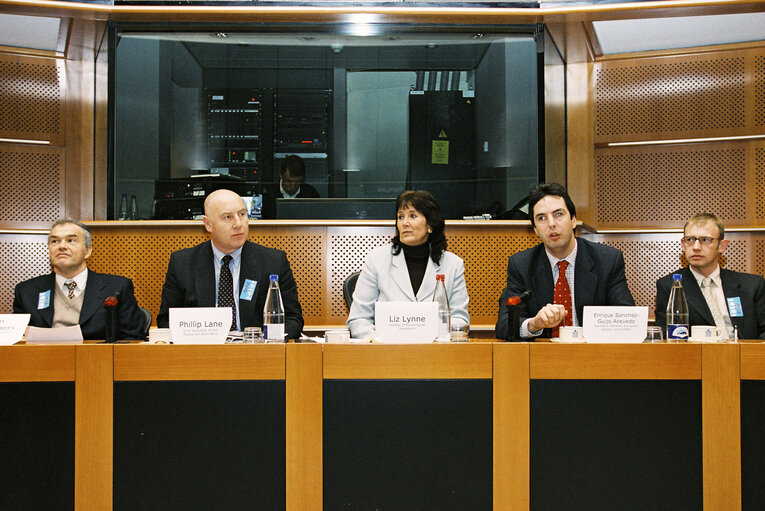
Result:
[{"x": 406, "y": 270}]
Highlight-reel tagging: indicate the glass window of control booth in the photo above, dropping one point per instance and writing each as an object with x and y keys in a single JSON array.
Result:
[{"x": 457, "y": 111}]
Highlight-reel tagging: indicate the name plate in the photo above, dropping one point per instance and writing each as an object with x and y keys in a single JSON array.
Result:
[
  {"x": 408, "y": 322},
  {"x": 615, "y": 324},
  {"x": 200, "y": 325},
  {"x": 12, "y": 327}
]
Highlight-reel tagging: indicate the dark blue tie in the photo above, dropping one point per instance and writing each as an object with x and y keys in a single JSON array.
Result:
[{"x": 226, "y": 289}]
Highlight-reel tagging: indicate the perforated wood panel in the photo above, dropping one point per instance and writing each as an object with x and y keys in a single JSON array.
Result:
[
  {"x": 644, "y": 98},
  {"x": 485, "y": 252},
  {"x": 759, "y": 183},
  {"x": 31, "y": 185},
  {"x": 31, "y": 98},
  {"x": 648, "y": 257},
  {"x": 759, "y": 87},
  {"x": 664, "y": 186},
  {"x": 758, "y": 259},
  {"x": 348, "y": 248},
  {"x": 30, "y": 252}
]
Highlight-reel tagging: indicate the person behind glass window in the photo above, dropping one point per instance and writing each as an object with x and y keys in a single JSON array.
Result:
[
  {"x": 406, "y": 269},
  {"x": 594, "y": 272},
  {"x": 291, "y": 185},
  {"x": 74, "y": 295},
  {"x": 739, "y": 298}
]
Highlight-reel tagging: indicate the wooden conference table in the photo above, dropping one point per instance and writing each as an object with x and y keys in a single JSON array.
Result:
[{"x": 482, "y": 425}]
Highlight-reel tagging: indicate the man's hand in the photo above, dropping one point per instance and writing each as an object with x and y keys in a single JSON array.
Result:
[{"x": 548, "y": 316}]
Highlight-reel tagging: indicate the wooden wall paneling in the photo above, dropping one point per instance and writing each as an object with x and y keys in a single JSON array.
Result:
[
  {"x": 579, "y": 174},
  {"x": 662, "y": 186},
  {"x": 684, "y": 96},
  {"x": 759, "y": 90},
  {"x": 348, "y": 249},
  {"x": 32, "y": 190},
  {"x": 721, "y": 421},
  {"x": 485, "y": 250},
  {"x": 512, "y": 427},
  {"x": 30, "y": 252},
  {"x": 80, "y": 93},
  {"x": 757, "y": 188},
  {"x": 304, "y": 423},
  {"x": 32, "y": 98},
  {"x": 94, "y": 427}
]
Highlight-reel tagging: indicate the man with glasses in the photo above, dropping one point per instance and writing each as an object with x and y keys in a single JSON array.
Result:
[{"x": 716, "y": 296}]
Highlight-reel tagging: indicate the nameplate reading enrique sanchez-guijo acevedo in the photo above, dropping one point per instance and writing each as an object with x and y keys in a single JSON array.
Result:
[
  {"x": 406, "y": 321},
  {"x": 200, "y": 325}
]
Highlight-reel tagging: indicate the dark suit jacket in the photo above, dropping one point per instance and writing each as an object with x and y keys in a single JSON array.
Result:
[
  {"x": 99, "y": 286},
  {"x": 750, "y": 288},
  {"x": 190, "y": 282},
  {"x": 598, "y": 280}
]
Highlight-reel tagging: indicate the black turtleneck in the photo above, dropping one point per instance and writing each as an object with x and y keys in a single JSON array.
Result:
[{"x": 416, "y": 262}]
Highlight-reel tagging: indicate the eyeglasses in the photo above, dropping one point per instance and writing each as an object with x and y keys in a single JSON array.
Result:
[{"x": 704, "y": 240}]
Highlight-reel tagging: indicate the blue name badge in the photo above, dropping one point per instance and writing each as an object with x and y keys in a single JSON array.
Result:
[
  {"x": 43, "y": 301},
  {"x": 248, "y": 289},
  {"x": 734, "y": 307}
]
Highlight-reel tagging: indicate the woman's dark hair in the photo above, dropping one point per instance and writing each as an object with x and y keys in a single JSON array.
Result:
[{"x": 425, "y": 203}]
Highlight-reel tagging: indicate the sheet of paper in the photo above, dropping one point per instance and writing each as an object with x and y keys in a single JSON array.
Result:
[
  {"x": 12, "y": 327},
  {"x": 406, "y": 322},
  {"x": 66, "y": 334},
  {"x": 615, "y": 324},
  {"x": 200, "y": 325}
]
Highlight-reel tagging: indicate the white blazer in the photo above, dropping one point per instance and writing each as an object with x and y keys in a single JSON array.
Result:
[{"x": 385, "y": 278}]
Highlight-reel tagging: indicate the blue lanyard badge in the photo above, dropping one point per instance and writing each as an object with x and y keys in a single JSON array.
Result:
[
  {"x": 734, "y": 307},
  {"x": 43, "y": 301},
  {"x": 248, "y": 289}
]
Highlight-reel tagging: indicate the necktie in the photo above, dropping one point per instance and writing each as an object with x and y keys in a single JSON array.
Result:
[
  {"x": 722, "y": 321},
  {"x": 562, "y": 295},
  {"x": 226, "y": 289},
  {"x": 70, "y": 286}
]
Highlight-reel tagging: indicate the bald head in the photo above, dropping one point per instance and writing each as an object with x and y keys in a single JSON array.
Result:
[{"x": 226, "y": 220}]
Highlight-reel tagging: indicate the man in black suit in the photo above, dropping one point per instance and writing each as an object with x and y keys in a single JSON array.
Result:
[
  {"x": 593, "y": 274},
  {"x": 193, "y": 274},
  {"x": 715, "y": 296},
  {"x": 291, "y": 185},
  {"x": 72, "y": 294}
]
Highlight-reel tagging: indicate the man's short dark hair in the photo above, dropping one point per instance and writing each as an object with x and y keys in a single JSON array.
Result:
[
  {"x": 294, "y": 165},
  {"x": 543, "y": 190}
]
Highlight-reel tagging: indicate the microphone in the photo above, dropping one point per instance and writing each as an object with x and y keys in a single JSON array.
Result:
[
  {"x": 513, "y": 315},
  {"x": 112, "y": 322},
  {"x": 515, "y": 300}
]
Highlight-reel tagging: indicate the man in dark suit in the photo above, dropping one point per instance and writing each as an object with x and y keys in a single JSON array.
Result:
[
  {"x": 193, "y": 274},
  {"x": 715, "y": 296},
  {"x": 592, "y": 274},
  {"x": 72, "y": 294},
  {"x": 291, "y": 185}
]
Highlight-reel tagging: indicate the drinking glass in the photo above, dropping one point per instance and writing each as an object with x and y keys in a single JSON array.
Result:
[{"x": 654, "y": 334}]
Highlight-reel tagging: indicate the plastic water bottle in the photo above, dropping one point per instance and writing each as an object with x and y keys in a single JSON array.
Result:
[
  {"x": 677, "y": 311},
  {"x": 444, "y": 313},
  {"x": 133, "y": 208},
  {"x": 273, "y": 312},
  {"x": 123, "y": 208}
]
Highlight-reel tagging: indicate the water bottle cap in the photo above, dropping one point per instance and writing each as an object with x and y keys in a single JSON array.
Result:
[
  {"x": 440, "y": 276},
  {"x": 273, "y": 278},
  {"x": 677, "y": 276}
]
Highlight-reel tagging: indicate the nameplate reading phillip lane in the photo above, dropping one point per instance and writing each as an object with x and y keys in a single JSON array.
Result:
[
  {"x": 200, "y": 325},
  {"x": 406, "y": 321},
  {"x": 615, "y": 324}
]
